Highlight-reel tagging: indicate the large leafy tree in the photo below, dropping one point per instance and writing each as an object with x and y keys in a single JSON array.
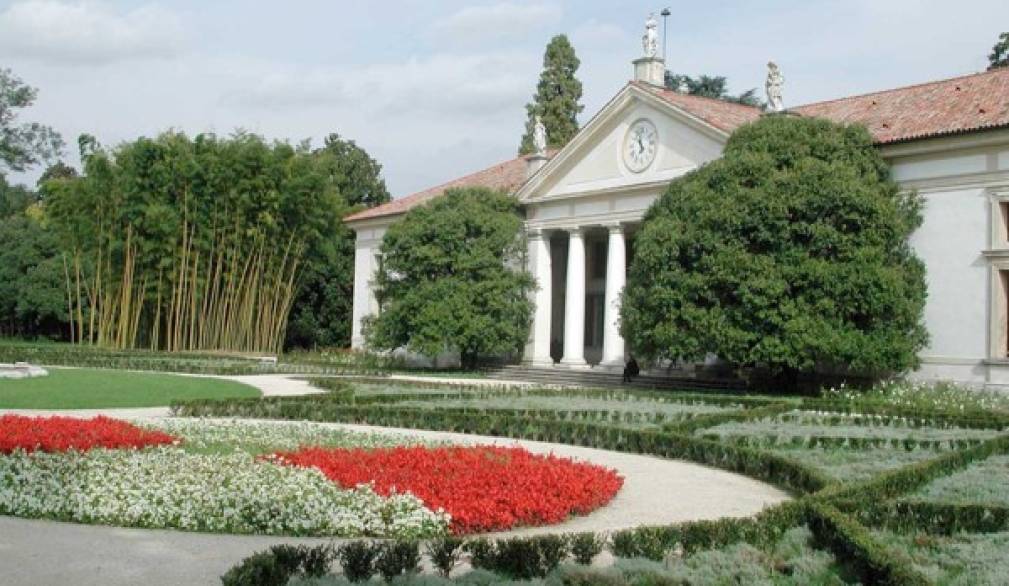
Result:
[
  {"x": 558, "y": 97},
  {"x": 353, "y": 172},
  {"x": 26, "y": 144},
  {"x": 999, "y": 56},
  {"x": 791, "y": 251},
  {"x": 448, "y": 279},
  {"x": 32, "y": 299},
  {"x": 322, "y": 311},
  {"x": 711, "y": 86}
]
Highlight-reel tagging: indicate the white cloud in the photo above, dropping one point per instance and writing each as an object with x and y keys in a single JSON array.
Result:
[
  {"x": 494, "y": 23},
  {"x": 595, "y": 34},
  {"x": 441, "y": 85},
  {"x": 63, "y": 33}
]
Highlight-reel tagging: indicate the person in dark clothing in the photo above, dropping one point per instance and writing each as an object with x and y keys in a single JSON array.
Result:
[{"x": 631, "y": 370}]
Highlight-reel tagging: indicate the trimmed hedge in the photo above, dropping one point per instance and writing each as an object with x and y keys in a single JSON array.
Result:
[
  {"x": 848, "y": 443},
  {"x": 929, "y": 418},
  {"x": 904, "y": 480},
  {"x": 874, "y": 562},
  {"x": 761, "y": 530},
  {"x": 706, "y": 421},
  {"x": 929, "y": 517}
]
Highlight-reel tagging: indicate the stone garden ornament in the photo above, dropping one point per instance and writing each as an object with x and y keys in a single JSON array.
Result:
[
  {"x": 773, "y": 86},
  {"x": 540, "y": 137},
  {"x": 650, "y": 40}
]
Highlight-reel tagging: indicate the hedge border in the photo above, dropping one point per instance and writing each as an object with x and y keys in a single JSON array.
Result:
[{"x": 874, "y": 562}]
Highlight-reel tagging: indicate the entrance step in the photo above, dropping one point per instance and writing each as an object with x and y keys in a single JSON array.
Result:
[{"x": 676, "y": 380}]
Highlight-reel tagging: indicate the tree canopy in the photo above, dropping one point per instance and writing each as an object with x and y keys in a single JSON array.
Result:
[
  {"x": 353, "y": 172},
  {"x": 27, "y": 144},
  {"x": 791, "y": 251},
  {"x": 557, "y": 100},
  {"x": 447, "y": 278},
  {"x": 999, "y": 56},
  {"x": 185, "y": 243},
  {"x": 322, "y": 310},
  {"x": 711, "y": 86}
]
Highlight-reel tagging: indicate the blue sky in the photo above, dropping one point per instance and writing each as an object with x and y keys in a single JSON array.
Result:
[{"x": 433, "y": 89}]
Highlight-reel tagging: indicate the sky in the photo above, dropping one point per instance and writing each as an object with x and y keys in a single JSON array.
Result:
[{"x": 436, "y": 89}]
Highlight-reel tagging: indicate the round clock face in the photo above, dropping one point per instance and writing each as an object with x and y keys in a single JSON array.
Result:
[{"x": 640, "y": 146}]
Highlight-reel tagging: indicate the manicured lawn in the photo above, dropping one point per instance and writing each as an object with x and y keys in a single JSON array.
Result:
[{"x": 73, "y": 388}]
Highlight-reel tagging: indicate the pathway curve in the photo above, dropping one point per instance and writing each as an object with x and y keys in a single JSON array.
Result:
[{"x": 655, "y": 491}]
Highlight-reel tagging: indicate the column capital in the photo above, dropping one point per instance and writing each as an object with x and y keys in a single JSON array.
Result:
[
  {"x": 575, "y": 230},
  {"x": 614, "y": 227},
  {"x": 536, "y": 233}
]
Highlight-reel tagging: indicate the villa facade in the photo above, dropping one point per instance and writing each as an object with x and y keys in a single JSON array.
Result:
[{"x": 948, "y": 139}]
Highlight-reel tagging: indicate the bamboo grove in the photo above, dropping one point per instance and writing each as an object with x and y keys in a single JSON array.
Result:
[{"x": 180, "y": 244}]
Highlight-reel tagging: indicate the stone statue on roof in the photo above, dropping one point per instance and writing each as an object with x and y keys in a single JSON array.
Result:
[
  {"x": 540, "y": 137},
  {"x": 772, "y": 87},
  {"x": 650, "y": 41}
]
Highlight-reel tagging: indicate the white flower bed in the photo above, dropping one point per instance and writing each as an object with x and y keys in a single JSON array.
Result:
[
  {"x": 202, "y": 434},
  {"x": 232, "y": 492}
]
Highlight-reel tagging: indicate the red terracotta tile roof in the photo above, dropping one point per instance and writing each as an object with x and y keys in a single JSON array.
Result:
[
  {"x": 950, "y": 106},
  {"x": 507, "y": 176},
  {"x": 725, "y": 116}
]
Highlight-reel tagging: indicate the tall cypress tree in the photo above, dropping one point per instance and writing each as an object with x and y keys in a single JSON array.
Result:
[
  {"x": 999, "y": 56},
  {"x": 557, "y": 98}
]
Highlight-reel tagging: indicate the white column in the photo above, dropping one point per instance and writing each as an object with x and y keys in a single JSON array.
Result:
[
  {"x": 574, "y": 302},
  {"x": 616, "y": 277},
  {"x": 365, "y": 266},
  {"x": 540, "y": 265}
]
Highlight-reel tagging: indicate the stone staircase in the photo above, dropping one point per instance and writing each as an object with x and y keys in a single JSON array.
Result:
[{"x": 674, "y": 380}]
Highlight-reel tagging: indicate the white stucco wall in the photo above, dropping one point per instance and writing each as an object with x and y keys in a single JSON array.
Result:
[
  {"x": 957, "y": 179},
  {"x": 367, "y": 242}
]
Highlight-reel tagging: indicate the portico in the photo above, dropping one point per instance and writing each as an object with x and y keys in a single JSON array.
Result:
[{"x": 581, "y": 271}]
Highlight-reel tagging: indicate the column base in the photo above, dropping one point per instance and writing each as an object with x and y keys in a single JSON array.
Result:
[
  {"x": 574, "y": 363},
  {"x": 539, "y": 362}
]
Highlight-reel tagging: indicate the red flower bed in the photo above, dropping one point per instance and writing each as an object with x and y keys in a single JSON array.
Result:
[
  {"x": 59, "y": 434},
  {"x": 483, "y": 488}
]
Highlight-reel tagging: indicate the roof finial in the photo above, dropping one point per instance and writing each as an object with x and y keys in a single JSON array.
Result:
[
  {"x": 772, "y": 87},
  {"x": 540, "y": 137},
  {"x": 650, "y": 40}
]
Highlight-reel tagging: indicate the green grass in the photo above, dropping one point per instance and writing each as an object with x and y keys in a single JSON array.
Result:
[
  {"x": 963, "y": 559},
  {"x": 73, "y": 388},
  {"x": 984, "y": 482}
]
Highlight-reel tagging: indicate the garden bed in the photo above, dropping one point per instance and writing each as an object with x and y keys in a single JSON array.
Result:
[{"x": 280, "y": 478}]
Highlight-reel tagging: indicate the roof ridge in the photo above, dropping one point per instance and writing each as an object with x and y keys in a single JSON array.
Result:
[
  {"x": 652, "y": 88},
  {"x": 465, "y": 177},
  {"x": 902, "y": 88}
]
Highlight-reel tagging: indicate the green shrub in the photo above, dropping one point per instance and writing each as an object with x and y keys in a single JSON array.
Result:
[
  {"x": 586, "y": 546},
  {"x": 357, "y": 558},
  {"x": 481, "y": 553},
  {"x": 444, "y": 553},
  {"x": 552, "y": 549},
  {"x": 259, "y": 569},
  {"x": 398, "y": 557},
  {"x": 521, "y": 558},
  {"x": 278, "y": 564}
]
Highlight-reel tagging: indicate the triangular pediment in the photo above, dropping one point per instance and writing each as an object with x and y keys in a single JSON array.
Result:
[{"x": 594, "y": 161}]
